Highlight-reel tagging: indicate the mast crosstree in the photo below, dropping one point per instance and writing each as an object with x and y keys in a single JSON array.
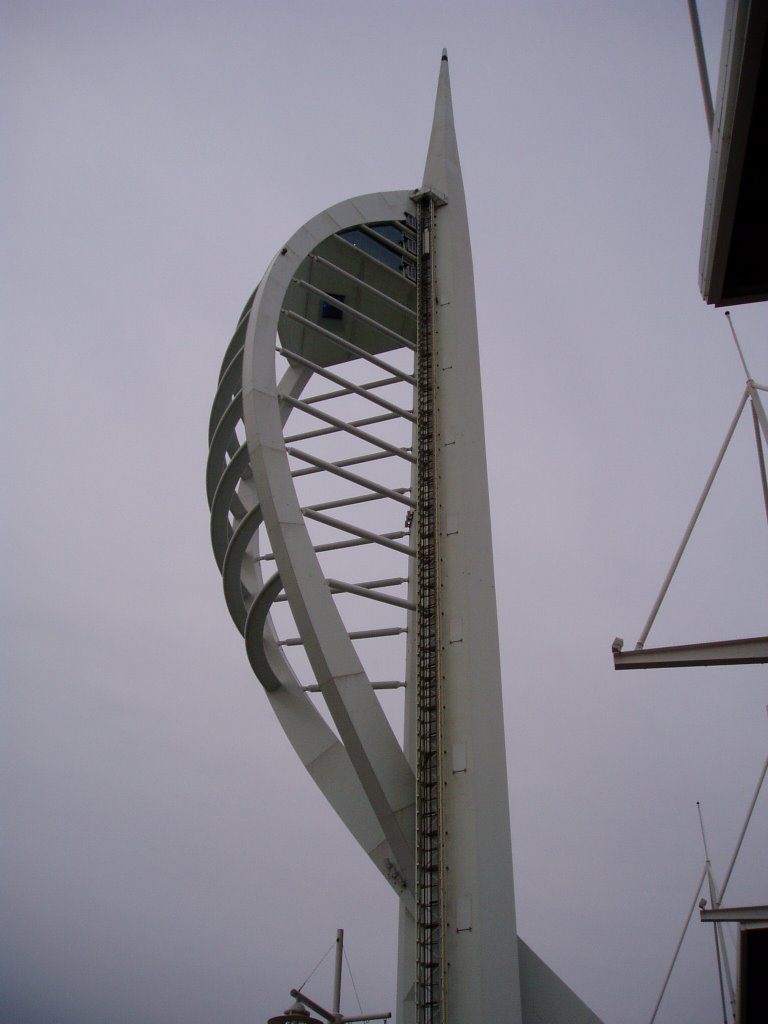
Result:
[{"x": 350, "y": 397}]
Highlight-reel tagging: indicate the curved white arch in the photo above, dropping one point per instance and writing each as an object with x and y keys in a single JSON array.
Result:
[
  {"x": 378, "y": 760},
  {"x": 319, "y": 749},
  {"x": 365, "y": 775}
]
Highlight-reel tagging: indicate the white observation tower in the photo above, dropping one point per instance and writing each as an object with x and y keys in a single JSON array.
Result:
[{"x": 346, "y": 442}]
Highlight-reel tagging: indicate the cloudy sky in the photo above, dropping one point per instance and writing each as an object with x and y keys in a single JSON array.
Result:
[{"x": 165, "y": 858}]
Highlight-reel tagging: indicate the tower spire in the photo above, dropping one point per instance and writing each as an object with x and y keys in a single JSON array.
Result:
[
  {"x": 442, "y": 171},
  {"x": 396, "y": 270}
]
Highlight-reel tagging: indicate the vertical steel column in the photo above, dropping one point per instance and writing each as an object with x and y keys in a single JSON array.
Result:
[
  {"x": 430, "y": 917},
  {"x": 337, "y": 971}
]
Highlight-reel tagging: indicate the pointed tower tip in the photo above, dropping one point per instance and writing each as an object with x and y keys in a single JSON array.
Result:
[{"x": 442, "y": 166}]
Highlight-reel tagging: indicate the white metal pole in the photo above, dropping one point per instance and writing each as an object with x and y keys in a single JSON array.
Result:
[
  {"x": 758, "y": 406},
  {"x": 738, "y": 346},
  {"x": 720, "y": 945},
  {"x": 722, "y": 961},
  {"x": 337, "y": 973},
  {"x": 686, "y": 536},
  {"x": 677, "y": 951},
  {"x": 702, "y": 64},
  {"x": 760, "y": 458},
  {"x": 743, "y": 831}
]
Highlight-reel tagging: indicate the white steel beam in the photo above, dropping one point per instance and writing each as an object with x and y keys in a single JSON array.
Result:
[
  {"x": 354, "y": 478},
  {"x": 348, "y": 387},
  {"x": 321, "y": 261},
  {"x": 345, "y": 307},
  {"x": 740, "y": 914},
  {"x": 348, "y": 345},
  {"x": 355, "y": 431},
  {"x": 746, "y": 651}
]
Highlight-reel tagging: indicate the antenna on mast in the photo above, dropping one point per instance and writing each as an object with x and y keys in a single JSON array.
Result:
[
  {"x": 297, "y": 1013},
  {"x": 738, "y": 346}
]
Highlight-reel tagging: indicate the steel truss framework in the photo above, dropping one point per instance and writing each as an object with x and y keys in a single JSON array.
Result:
[{"x": 347, "y": 432}]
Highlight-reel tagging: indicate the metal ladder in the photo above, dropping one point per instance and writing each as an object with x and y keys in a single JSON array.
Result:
[{"x": 430, "y": 985}]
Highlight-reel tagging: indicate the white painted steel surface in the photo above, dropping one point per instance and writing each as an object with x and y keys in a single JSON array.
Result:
[
  {"x": 271, "y": 556},
  {"x": 480, "y": 930}
]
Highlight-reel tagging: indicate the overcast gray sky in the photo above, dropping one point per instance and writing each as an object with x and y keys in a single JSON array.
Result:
[{"x": 166, "y": 859}]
